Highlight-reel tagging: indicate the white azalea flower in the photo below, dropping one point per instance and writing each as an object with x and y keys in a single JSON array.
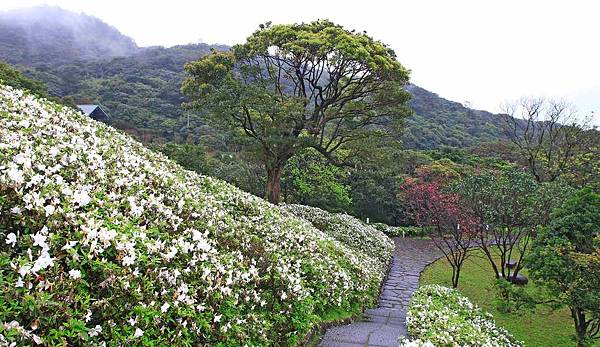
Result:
[
  {"x": 39, "y": 240},
  {"x": 128, "y": 260},
  {"x": 75, "y": 274},
  {"x": 95, "y": 331},
  {"x": 81, "y": 198},
  {"x": 16, "y": 175},
  {"x": 11, "y": 239},
  {"x": 69, "y": 245},
  {"x": 49, "y": 209},
  {"x": 44, "y": 261},
  {"x": 88, "y": 316},
  {"x": 138, "y": 333}
]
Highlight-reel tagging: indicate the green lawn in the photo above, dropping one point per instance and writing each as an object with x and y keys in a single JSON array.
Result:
[{"x": 542, "y": 328}]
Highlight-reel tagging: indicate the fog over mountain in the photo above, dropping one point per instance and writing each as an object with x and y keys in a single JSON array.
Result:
[{"x": 49, "y": 34}]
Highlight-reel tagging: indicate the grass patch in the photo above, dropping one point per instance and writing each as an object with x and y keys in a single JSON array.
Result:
[{"x": 541, "y": 328}]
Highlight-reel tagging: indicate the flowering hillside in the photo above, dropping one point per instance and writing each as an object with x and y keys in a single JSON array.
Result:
[{"x": 103, "y": 240}]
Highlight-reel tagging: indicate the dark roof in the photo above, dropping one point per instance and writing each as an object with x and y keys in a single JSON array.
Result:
[{"x": 94, "y": 111}]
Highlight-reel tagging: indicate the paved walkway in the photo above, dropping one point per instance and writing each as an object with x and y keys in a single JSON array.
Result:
[{"x": 383, "y": 326}]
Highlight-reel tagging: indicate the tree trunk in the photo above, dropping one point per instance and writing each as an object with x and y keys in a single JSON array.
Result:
[
  {"x": 274, "y": 183},
  {"x": 580, "y": 325},
  {"x": 488, "y": 253},
  {"x": 455, "y": 276}
]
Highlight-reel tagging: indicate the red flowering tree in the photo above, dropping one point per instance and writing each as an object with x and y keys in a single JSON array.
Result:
[{"x": 451, "y": 225}]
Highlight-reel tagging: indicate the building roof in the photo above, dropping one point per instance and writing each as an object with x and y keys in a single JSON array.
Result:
[{"x": 88, "y": 109}]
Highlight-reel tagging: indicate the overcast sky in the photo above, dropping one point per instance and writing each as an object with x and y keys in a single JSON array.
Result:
[{"x": 484, "y": 52}]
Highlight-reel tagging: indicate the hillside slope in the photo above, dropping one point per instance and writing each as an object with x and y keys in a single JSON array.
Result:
[
  {"x": 105, "y": 240},
  {"x": 439, "y": 122}
]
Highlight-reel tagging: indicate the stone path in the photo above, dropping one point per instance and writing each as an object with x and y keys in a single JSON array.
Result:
[{"x": 383, "y": 326}]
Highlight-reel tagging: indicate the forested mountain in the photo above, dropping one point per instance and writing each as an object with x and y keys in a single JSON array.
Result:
[
  {"x": 52, "y": 35},
  {"x": 140, "y": 92},
  {"x": 81, "y": 57},
  {"x": 439, "y": 122}
]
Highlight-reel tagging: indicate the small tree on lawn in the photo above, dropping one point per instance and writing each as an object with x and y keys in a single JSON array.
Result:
[
  {"x": 502, "y": 207},
  {"x": 291, "y": 87},
  {"x": 451, "y": 225},
  {"x": 565, "y": 259}
]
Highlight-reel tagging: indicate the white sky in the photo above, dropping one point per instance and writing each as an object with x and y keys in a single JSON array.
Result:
[{"x": 484, "y": 52}]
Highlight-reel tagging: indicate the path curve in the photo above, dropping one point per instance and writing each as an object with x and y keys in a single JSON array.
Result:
[{"x": 383, "y": 326}]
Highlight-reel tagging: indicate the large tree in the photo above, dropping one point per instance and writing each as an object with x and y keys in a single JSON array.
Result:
[{"x": 290, "y": 87}]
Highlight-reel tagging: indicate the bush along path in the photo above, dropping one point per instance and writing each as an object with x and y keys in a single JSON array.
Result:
[{"x": 384, "y": 325}]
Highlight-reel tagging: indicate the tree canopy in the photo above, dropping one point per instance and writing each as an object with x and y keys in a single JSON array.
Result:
[
  {"x": 565, "y": 259},
  {"x": 302, "y": 85},
  {"x": 14, "y": 78}
]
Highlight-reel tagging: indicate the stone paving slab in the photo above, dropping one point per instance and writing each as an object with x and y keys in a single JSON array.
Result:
[{"x": 383, "y": 326}]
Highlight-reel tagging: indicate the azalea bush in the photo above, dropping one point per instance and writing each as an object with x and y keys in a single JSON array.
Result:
[
  {"x": 103, "y": 241},
  {"x": 369, "y": 243},
  {"x": 400, "y": 231},
  {"x": 440, "y": 316}
]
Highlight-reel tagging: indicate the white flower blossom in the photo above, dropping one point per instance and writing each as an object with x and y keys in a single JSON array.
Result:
[
  {"x": 11, "y": 239},
  {"x": 93, "y": 332},
  {"x": 81, "y": 198},
  {"x": 49, "y": 209},
  {"x": 16, "y": 175},
  {"x": 75, "y": 274},
  {"x": 39, "y": 240},
  {"x": 138, "y": 333}
]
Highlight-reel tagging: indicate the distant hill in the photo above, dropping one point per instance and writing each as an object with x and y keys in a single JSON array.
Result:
[
  {"x": 52, "y": 35},
  {"x": 140, "y": 92},
  {"x": 439, "y": 122},
  {"x": 81, "y": 57}
]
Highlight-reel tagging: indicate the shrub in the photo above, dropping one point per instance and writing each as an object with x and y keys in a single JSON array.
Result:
[
  {"x": 512, "y": 298},
  {"x": 401, "y": 231},
  {"x": 444, "y": 317},
  {"x": 103, "y": 240},
  {"x": 375, "y": 247}
]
